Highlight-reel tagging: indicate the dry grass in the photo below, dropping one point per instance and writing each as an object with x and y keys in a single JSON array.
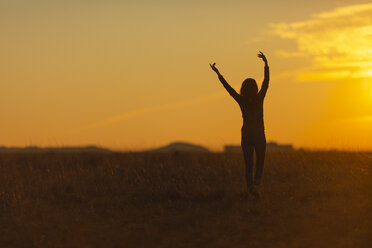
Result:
[{"x": 309, "y": 199}]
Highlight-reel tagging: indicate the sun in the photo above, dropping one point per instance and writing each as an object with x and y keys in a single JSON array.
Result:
[{"x": 369, "y": 83}]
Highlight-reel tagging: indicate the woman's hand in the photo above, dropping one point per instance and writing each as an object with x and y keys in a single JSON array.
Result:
[
  {"x": 213, "y": 66},
  {"x": 262, "y": 56}
]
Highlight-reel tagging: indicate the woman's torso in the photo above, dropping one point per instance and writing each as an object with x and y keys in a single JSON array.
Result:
[{"x": 252, "y": 113}]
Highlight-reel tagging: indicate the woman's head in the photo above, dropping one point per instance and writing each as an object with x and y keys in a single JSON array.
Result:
[{"x": 249, "y": 88}]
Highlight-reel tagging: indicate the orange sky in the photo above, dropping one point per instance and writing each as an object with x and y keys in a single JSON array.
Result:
[{"x": 130, "y": 75}]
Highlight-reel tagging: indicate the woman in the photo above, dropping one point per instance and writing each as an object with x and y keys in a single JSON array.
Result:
[{"x": 253, "y": 131}]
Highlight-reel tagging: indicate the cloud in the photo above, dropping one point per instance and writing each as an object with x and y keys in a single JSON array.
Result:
[{"x": 338, "y": 41}]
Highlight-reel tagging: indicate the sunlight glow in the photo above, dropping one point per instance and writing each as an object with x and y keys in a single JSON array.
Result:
[
  {"x": 132, "y": 75},
  {"x": 338, "y": 42}
]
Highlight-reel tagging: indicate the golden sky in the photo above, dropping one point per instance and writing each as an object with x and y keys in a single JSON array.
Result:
[{"x": 130, "y": 75}]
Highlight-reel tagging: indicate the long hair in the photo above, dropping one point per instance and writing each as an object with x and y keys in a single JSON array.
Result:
[{"x": 249, "y": 88}]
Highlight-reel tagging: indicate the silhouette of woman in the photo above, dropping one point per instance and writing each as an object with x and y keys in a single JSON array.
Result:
[{"x": 253, "y": 131}]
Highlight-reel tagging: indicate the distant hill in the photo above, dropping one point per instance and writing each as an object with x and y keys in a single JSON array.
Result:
[
  {"x": 180, "y": 147},
  {"x": 67, "y": 149}
]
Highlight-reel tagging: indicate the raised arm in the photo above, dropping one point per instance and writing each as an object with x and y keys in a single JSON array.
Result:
[
  {"x": 265, "y": 83},
  {"x": 225, "y": 84}
]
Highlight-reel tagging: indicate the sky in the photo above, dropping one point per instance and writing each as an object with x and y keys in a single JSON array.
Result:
[{"x": 131, "y": 75}]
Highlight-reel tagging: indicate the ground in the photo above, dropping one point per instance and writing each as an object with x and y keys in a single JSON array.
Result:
[{"x": 309, "y": 199}]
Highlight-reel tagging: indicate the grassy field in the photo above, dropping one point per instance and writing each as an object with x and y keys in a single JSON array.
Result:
[{"x": 309, "y": 199}]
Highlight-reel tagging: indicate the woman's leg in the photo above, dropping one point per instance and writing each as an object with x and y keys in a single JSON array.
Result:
[
  {"x": 248, "y": 158},
  {"x": 260, "y": 149}
]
